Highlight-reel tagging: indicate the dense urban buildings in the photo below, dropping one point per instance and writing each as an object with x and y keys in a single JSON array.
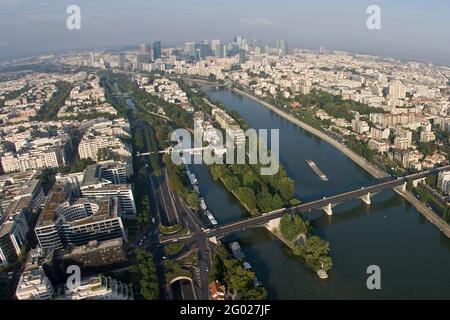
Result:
[{"x": 87, "y": 181}]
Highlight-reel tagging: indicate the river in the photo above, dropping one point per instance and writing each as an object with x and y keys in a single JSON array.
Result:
[{"x": 413, "y": 255}]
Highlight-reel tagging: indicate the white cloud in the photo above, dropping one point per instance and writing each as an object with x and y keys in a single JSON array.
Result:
[{"x": 260, "y": 21}]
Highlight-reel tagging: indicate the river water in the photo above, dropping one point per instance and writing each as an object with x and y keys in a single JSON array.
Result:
[{"x": 413, "y": 255}]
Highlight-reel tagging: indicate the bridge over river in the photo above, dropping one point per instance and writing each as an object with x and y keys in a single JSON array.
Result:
[{"x": 326, "y": 203}]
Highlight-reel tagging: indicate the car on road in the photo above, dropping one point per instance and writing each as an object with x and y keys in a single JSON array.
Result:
[{"x": 153, "y": 220}]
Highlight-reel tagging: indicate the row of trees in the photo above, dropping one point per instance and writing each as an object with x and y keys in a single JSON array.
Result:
[
  {"x": 144, "y": 275},
  {"x": 179, "y": 182},
  {"x": 334, "y": 105},
  {"x": 361, "y": 148},
  {"x": 235, "y": 277},
  {"x": 50, "y": 108},
  {"x": 257, "y": 193},
  {"x": 140, "y": 180}
]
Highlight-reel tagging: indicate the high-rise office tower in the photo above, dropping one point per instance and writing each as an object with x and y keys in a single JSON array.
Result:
[
  {"x": 282, "y": 47},
  {"x": 238, "y": 41},
  {"x": 121, "y": 61},
  {"x": 157, "y": 49},
  {"x": 145, "y": 48},
  {"x": 92, "y": 59},
  {"x": 216, "y": 48},
  {"x": 190, "y": 49},
  {"x": 242, "y": 56},
  {"x": 204, "y": 49},
  {"x": 143, "y": 58}
]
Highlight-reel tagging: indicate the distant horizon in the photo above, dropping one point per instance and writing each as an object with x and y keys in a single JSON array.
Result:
[
  {"x": 410, "y": 29},
  {"x": 135, "y": 46}
]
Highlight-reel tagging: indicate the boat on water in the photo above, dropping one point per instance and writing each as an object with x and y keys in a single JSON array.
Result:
[
  {"x": 322, "y": 273},
  {"x": 317, "y": 170}
]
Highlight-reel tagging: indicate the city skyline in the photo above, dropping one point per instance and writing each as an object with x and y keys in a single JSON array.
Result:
[{"x": 40, "y": 27}]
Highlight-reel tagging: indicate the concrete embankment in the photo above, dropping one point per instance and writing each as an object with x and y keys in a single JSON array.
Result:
[{"x": 366, "y": 165}]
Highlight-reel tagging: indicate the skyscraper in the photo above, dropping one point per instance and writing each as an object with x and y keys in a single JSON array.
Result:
[
  {"x": 121, "y": 61},
  {"x": 145, "y": 48},
  {"x": 216, "y": 48},
  {"x": 157, "y": 49},
  {"x": 92, "y": 59},
  {"x": 190, "y": 49},
  {"x": 204, "y": 49},
  {"x": 282, "y": 47}
]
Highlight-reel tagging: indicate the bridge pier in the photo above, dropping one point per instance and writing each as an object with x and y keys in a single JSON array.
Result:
[
  {"x": 403, "y": 187},
  {"x": 328, "y": 209},
  {"x": 366, "y": 199},
  {"x": 416, "y": 182},
  {"x": 273, "y": 224}
]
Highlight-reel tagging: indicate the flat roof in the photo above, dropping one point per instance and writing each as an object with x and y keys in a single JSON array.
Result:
[{"x": 91, "y": 175}]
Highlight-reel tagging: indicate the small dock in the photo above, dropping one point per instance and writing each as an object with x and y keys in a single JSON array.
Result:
[{"x": 317, "y": 170}]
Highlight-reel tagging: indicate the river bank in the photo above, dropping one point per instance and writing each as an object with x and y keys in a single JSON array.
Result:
[{"x": 431, "y": 216}]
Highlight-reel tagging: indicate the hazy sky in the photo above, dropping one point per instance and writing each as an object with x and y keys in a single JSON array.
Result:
[{"x": 409, "y": 28}]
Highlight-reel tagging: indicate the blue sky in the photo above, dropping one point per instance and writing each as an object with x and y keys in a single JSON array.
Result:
[{"x": 410, "y": 28}]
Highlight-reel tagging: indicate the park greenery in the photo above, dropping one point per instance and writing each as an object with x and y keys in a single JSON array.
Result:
[
  {"x": 173, "y": 248},
  {"x": 425, "y": 196},
  {"x": 292, "y": 226},
  {"x": 174, "y": 269},
  {"x": 235, "y": 277},
  {"x": 314, "y": 250},
  {"x": 170, "y": 229},
  {"x": 49, "y": 109},
  {"x": 257, "y": 193},
  {"x": 179, "y": 182},
  {"x": 334, "y": 105},
  {"x": 144, "y": 275}
]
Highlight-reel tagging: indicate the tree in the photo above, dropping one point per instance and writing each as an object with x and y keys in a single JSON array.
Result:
[
  {"x": 144, "y": 273},
  {"x": 277, "y": 202},
  {"x": 256, "y": 293},
  {"x": 231, "y": 182},
  {"x": 264, "y": 201},
  {"x": 315, "y": 252},
  {"x": 193, "y": 200},
  {"x": 286, "y": 187},
  {"x": 247, "y": 196},
  {"x": 292, "y": 226}
]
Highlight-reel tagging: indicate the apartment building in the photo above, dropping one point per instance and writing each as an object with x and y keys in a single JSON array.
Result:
[
  {"x": 108, "y": 135},
  {"x": 34, "y": 285},
  {"x": 229, "y": 124},
  {"x": 67, "y": 221},
  {"x": 38, "y": 154},
  {"x": 14, "y": 221}
]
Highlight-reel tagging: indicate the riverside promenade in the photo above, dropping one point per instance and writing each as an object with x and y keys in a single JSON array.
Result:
[{"x": 429, "y": 214}]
